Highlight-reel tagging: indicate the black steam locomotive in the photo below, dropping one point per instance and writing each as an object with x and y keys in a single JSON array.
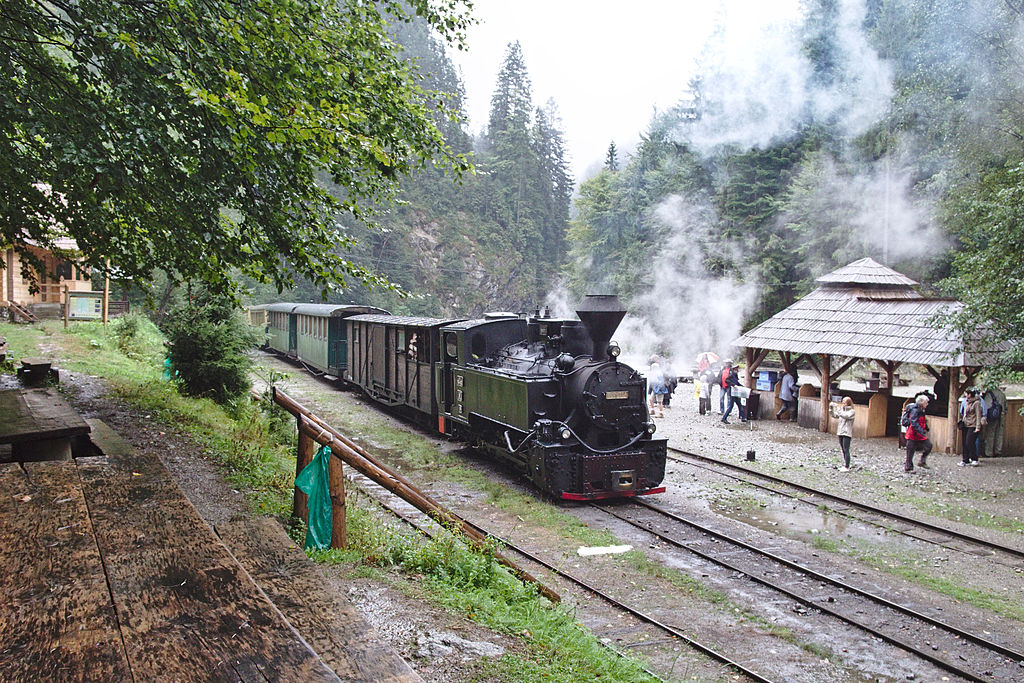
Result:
[{"x": 547, "y": 394}]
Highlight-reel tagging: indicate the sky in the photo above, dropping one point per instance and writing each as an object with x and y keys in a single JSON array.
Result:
[{"x": 607, "y": 64}]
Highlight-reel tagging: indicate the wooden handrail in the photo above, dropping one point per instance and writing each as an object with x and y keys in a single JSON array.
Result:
[{"x": 315, "y": 429}]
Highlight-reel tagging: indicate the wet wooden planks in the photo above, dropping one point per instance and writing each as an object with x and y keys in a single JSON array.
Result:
[
  {"x": 187, "y": 610},
  {"x": 330, "y": 623},
  {"x": 56, "y": 617}
]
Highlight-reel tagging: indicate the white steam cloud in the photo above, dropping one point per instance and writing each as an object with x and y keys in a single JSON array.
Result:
[
  {"x": 684, "y": 313},
  {"x": 758, "y": 85}
]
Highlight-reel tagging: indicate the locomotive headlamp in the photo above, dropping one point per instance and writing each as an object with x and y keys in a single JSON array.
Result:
[
  {"x": 566, "y": 433},
  {"x": 651, "y": 427},
  {"x": 613, "y": 349}
]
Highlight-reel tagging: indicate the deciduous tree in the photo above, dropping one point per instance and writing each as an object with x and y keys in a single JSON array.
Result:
[{"x": 189, "y": 135}]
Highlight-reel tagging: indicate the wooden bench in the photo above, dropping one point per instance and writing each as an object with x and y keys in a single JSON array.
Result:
[
  {"x": 37, "y": 371},
  {"x": 39, "y": 424}
]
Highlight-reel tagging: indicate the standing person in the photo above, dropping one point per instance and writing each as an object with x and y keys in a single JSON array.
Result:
[
  {"x": 732, "y": 382},
  {"x": 657, "y": 388},
  {"x": 723, "y": 380},
  {"x": 787, "y": 395},
  {"x": 670, "y": 385},
  {"x": 707, "y": 386},
  {"x": 844, "y": 412},
  {"x": 974, "y": 421},
  {"x": 917, "y": 433},
  {"x": 698, "y": 386},
  {"x": 996, "y": 399}
]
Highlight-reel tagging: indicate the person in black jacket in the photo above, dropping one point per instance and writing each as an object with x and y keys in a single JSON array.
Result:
[{"x": 731, "y": 383}]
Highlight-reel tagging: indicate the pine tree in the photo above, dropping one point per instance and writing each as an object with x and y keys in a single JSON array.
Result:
[{"x": 611, "y": 160}]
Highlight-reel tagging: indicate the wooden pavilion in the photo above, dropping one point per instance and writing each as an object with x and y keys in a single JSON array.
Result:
[{"x": 866, "y": 311}]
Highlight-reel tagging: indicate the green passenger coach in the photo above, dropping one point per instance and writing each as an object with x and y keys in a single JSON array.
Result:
[{"x": 313, "y": 334}]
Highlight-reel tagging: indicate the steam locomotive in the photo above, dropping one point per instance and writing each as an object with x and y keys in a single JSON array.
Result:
[{"x": 546, "y": 394}]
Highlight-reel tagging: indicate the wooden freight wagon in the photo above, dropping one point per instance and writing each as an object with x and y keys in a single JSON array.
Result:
[{"x": 391, "y": 358}]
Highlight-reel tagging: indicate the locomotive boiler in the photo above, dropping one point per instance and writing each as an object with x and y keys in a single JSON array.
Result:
[{"x": 547, "y": 394}]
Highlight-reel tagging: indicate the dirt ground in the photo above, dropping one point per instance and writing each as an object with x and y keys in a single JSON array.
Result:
[{"x": 447, "y": 648}]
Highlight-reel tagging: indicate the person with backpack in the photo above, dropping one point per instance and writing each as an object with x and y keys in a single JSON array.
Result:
[
  {"x": 917, "y": 433},
  {"x": 995, "y": 397}
]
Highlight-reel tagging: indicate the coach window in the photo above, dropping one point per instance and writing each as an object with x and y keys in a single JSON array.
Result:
[{"x": 400, "y": 341}]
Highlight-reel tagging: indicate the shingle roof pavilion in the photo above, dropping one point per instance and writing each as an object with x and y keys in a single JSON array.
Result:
[
  {"x": 865, "y": 310},
  {"x": 867, "y": 272}
]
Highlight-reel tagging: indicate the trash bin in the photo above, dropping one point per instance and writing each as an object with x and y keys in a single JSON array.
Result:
[{"x": 753, "y": 405}]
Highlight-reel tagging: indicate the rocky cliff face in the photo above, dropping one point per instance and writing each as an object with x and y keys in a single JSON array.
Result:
[{"x": 454, "y": 265}]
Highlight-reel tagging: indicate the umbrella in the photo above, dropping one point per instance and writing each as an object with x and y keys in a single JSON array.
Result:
[{"x": 705, "y": 359}]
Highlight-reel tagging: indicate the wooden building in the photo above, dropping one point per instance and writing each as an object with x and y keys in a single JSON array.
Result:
[
  {"x": 56, "y": 273},
  {"x": 867, "y": 312}
]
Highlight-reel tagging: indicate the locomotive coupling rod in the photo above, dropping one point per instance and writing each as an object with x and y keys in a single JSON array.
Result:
[{"x": 360, "y": 460}]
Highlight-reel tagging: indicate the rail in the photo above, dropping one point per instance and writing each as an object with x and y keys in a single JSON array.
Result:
[{"x": 313, "y": 430}]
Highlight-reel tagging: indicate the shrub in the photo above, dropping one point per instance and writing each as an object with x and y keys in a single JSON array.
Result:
[
  {"x": 207, "y": 343},
  {"x": 137, "y": 336}
]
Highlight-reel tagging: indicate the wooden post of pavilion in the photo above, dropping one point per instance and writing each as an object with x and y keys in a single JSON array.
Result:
[
  {"x": 826, "y": 380},
  {"x": 953, "y": 411},
  {"x": 750, "y": 368}
]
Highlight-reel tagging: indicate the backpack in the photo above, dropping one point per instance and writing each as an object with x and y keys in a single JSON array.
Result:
[
  {"x": 995, "y": 411},
  {"x": 905, "y": 420}
]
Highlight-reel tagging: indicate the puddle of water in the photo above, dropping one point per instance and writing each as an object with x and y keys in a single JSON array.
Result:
[{"x": 805, "y": 520}]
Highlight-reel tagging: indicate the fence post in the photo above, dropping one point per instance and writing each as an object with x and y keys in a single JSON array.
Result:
[
  {"x": 337, "y": 489},
  {"x": 106, "y": 294},
  {"x": 307, "y": 447}
]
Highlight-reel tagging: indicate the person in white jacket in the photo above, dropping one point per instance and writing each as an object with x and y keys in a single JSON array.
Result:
[{"x": 844, "y": 412}]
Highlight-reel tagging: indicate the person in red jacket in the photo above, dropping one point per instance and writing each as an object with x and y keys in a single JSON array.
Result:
[{"x": 917, "y": 434}]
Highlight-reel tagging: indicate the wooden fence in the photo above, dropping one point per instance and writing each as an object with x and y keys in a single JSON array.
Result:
[{"x": 313, "y": 430}]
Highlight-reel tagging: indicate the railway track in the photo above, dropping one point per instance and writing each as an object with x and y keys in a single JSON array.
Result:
[
  {"x": 915, "y": 528},
  {"x": 958, "y": 651},
  {"x": 421, "y": 523}
]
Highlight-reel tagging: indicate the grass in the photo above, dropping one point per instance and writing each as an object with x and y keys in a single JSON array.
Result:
[{"x": 912, "y": 568}]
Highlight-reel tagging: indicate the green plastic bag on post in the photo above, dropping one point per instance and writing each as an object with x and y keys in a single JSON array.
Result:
[{"x": 313, "y": 480}]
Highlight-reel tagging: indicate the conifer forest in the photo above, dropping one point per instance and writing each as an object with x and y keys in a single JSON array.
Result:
[{"x": 911, "y": 153}]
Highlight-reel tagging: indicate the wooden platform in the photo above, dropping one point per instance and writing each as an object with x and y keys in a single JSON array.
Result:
[
  {"x": 298, "y": 587},
  {"x": 107, "y": 573}
]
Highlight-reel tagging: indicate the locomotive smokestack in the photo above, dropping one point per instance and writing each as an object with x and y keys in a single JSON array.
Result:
[{"x": 601, "y": 315}]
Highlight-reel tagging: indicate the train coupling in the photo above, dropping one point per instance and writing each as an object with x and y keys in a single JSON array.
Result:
[{"x": 623, "y": 480}]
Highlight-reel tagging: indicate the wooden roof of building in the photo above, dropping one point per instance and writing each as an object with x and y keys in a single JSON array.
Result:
[{"x": 866, "y": 310}]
